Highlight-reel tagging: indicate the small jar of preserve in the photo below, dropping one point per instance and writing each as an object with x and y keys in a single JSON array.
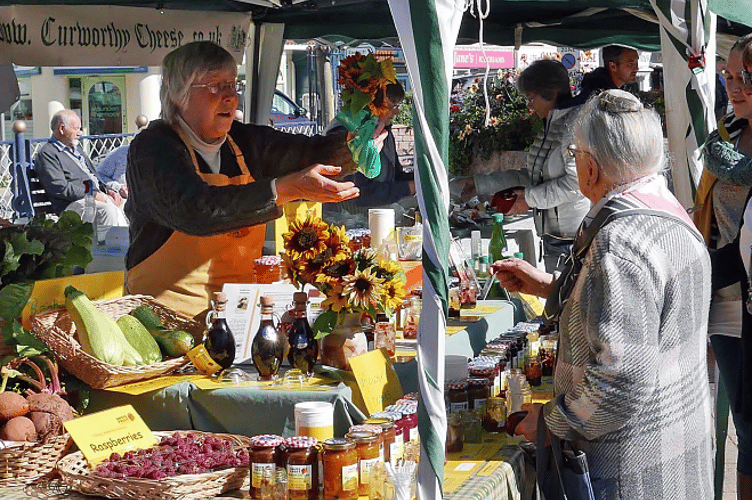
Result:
[
  {"x": 533, "y": 368},
  {"x": 456, "y": 391},
  {"x": 478, "y": 391},
  {"x": 376, "y": 429},
  {"x": 495, "y": 417},
  {"x": 263, "y": 456},
  {"x": 368, "y": 448},
  {"x": 393, "y": 443},
  {"x": 455, "y": 434},
  {"x": 340, "y": 465},
  {"x": 301, "y": 458}
]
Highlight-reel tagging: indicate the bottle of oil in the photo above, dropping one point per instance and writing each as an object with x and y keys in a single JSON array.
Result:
[
  {"x": 219, "y": 341},
  {"x": 304, "y": 349},
  {"x": 266, "y": 349}
]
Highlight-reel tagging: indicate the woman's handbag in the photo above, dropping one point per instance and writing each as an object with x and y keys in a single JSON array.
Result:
[{"x": 562, "y": 474}]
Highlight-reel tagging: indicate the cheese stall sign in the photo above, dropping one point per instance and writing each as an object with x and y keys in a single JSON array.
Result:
[
  {"x": 108, "y": 35},
  {"x": 477, "y": 58}
]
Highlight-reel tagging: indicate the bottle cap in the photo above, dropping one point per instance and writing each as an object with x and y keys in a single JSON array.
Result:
[
  {"x": 498, "y": 217},
  {"x": 267, "y": 300},
  {"x": 300, "y": 297},
  {"x": 219, "y": 297},
  {"x": 519, "y": 255}
]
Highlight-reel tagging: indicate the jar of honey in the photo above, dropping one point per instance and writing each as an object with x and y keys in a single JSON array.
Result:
[
  {"x": 368, "y": 449},
  {"x": 340, "y": 466},
  {"x": 263, "y": 456},
  {"x": 301, "y": 458}
]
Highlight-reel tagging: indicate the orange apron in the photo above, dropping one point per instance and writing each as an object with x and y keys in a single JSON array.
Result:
[{"x": 185, "y": 271}]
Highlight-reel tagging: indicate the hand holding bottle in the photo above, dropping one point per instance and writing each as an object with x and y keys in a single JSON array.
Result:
[{"x": 517, "y": 275}]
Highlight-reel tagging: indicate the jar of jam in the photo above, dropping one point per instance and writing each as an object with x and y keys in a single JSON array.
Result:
[
  {"x": 263, "y": 456},
  {"x": 393, "y": 443},
  {"x": 340, "y": 466},
  {"x": 409, "y": 420},
  {"x": 376, "y": 429},
  {"x": 478, "y": 391},
  {"x": 368, "y": 448},
  {"x": 533, "y": 368},
  {"x": 456, "y": 393},
  {"x": 487, "y": 371},
  {"x": 393, "y": 415},
  {"x": 301, "y": 459},
  {"x": 267, "y": 269},
  {"x": 496, "y": 415}
]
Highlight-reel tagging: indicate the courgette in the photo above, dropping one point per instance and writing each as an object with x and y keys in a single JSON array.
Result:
[
  {"x": 174, "y": 343},
  {"x": 140, "y": 339}
]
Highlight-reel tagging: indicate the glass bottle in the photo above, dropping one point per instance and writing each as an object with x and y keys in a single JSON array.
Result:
[
  {"x": 219, "y": 341},
  {"x": 497, "y": 247},
  {"x": 267, "y": 350},
  {"x": 412, "y": 319},
  {"x": 303, "y": 346},
  {"x": 384, "y": 335}
]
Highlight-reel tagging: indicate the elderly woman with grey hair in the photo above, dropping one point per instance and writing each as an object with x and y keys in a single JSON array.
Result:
[
  {"x": 202, "y": 185},
  {"x": 632, "y": 307}
]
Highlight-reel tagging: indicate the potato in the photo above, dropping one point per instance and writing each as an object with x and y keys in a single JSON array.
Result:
[
  {"x": 48, "y": 412},
  {"x": 12, "y": 405},
  {"x": 19, "y": 429}
]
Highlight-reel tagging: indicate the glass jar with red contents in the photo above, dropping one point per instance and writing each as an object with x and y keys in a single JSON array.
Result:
[
  {"x": 393, "y": 444},
  {"x": 368, "y": 448},
  {"x": 396, "y": 417},
  {"x": 489, "y": 372},
  {"x": 533, "y": 368},
  {"x": 478, "y": 391},
  {"x": 267, "y": 269},
  {"x": 263, "y": 456},
  {"x": 300, "y": 457},
  {"x": 409, "y": 420},
  {"x": 340, "y": 467},
  {"x": 456, "y": 394}
]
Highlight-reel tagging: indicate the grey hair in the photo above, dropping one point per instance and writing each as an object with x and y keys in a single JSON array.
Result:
[
  {"x": 181, "y": 67},
  {"x": 624, "y": 137},
  {"x": 62, "y": 117}
]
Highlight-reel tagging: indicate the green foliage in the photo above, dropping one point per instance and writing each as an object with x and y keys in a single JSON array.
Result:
[
  {"x": 510, "y": 128},
  {"x": 42, "y": 249},
  {"x": 405, "y": 115}
]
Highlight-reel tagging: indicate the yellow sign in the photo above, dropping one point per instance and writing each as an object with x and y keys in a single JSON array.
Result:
[
  {"x": 153, "y": 384},
  {"x": 376, "y": 379},
  {"x": 201, "y": 359},
  {"x": 116, "y": 430},
  {"x": 48, "y": 294},
  {"x": 530, "y": 303},
  {"x": 290, "y": 212}
]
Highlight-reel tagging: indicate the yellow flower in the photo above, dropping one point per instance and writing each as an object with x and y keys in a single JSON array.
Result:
[
  {"x": 335, "y": 299},
  {"x": 338, "y": 243},
  {"x": 388, "y": 269},
  {"x": 334, "y": 271},
  {"x": 306, "y": 238},
  {"x": 293, "y": 268},
  {"x": 313, "y": 267},
  {"x": 392, "y": 294},
  {"x": 365, "y": 258},
  {"x": 363, "y": 288}
]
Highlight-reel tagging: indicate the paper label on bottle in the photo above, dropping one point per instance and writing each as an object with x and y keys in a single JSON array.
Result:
[
  {"x": 204, "y": 363},
  {"x": 299, "y": 477},
  {"x": 350, "y": 477},
  {"x": 257, "y": 473},
  {"x": 414, "y": 434},
  {"x": 365, "y": 469},
  {"x": 396, "y": 450},
  {"x": 456, "y": 407}
]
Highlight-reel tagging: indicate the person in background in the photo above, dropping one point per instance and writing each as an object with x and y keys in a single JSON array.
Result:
[
  {"x": 112, "y": 169},
  {"x": 630, "y": 383},
  {"x": 393, "y": 183},
  {"x": 549, "y": 180},
  {"x": 620, "y": 65},
  {"x": 721, "y": 197},
  {"x": 202, "y": 185},
  {"x": 63, "y": 168}
]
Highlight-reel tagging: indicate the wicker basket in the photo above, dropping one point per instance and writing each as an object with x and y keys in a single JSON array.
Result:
[
  {"x": 21, "y": 465},
  {"x": 56, "y": 329},
  {"x": 76, "y": 473}
]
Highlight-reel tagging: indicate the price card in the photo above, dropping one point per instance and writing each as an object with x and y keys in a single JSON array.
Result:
[
  {"x": 154, "y": 384},
  {"x": 378, "y": 382},
  {"x": 116, "y": 430}
]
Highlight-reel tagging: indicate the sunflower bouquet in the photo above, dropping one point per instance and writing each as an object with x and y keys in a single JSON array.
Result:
[
  {"x": 364, "y": 99},
  {"x": 352, "y": 282}
]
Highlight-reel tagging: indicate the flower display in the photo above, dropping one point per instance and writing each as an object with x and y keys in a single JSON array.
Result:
[
  {"x": 352, "y": 282},
  {"x": 364, "y": 81}
]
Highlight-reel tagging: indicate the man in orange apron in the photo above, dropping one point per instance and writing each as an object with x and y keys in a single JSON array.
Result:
[{"x": 202, "y": 186}]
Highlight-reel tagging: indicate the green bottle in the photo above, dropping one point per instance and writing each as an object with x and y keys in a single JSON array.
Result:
[{"x": 497, "y": 247}]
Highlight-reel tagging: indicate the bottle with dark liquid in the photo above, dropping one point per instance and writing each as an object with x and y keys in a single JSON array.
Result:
[
  {"x": 219, "y": 341},
  {"x": 304, "y": 349},
  {"x": 267, "y": 350}
]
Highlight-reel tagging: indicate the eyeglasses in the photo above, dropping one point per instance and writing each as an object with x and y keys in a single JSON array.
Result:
[
  {"x": 744, "y": 76},
  {"x": 216, "y": 88},
  {"x": 572, "y": 151}
]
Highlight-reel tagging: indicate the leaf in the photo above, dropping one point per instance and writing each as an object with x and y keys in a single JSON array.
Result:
[
  {"x": 359, "y": 101},
  {"x": 24, "y": 341},
  {"x": 13, "y": 299},
  {"x": 325, "y": 323},
  {"x": 78, "y": 256}
]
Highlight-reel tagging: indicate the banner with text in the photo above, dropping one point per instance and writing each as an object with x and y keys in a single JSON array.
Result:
[
  {"x": 107, "y": 35},
  {"x": 476, "y": 58}
]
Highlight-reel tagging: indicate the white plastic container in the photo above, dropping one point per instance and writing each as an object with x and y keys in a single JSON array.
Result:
[
  {"x": 381, "y": 224},
  {"x": 455, "y": 367},
  {"x": 314, "y": 419}
]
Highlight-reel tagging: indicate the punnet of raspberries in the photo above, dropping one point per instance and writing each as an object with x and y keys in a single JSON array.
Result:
[{"x": 173, "y": 456}]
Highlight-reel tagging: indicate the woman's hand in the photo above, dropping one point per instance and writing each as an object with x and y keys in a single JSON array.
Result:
[
  {"x": 520, "y": 204},
  {"x": 528, "y": 427},
  {"x": 314, "y": 183},
  {"x": 517, "y": 275}
]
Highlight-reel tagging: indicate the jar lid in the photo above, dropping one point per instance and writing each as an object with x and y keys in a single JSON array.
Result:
[
  {"x": 268, "y": 260},
  {"x": 484, "y": 370},
  {"x": 301, "y": 442},
  {"x": 389, "y": 413},
  {"x": 405, "y": 409},
  {"x": 266, "y": 441},
  {"x": 404, "y": 401},
  {"x": 367, "y": 427},
  {"x": 477, "y": 381},
  {"x": 385, "y": 423},
  {"x": 495, "y": 401},
  {"x": 456, "y": 385},
  {"x": 362, "y": 436},
  {"x": 338, "y": 444},
  {"x": 486, "y": 360},
  {"x": 411, "y": 395}
]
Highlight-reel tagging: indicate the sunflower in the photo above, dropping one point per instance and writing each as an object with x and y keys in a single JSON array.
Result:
[
  {"x": 335, "y": 299},
  {"x": 292, "y": 268},
  {"x": 333, "y": 273},
  {"x": 306, "y": 238},
  {"x": 388, "y": 269},
  {"x": 313, "y": 267},
  {"x": 392, "y": 294},
  {"x": 363, "y": 288},
  {"x": 338, "y": 243},
  {"x": 365, "y": 258}
]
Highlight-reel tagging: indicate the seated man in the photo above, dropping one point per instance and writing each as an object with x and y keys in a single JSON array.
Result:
[{"x": 63, "y": 168}]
